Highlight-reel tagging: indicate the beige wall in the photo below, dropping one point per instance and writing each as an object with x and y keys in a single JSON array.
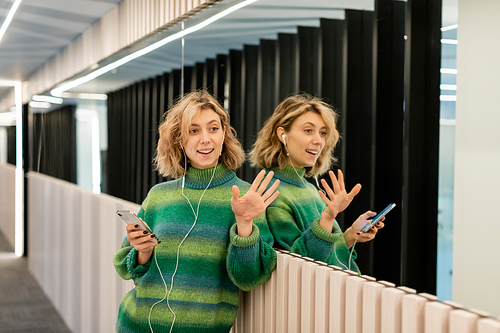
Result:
[
  {"x": 476, "y": 266},
  {"x": 7, "y": 203}
]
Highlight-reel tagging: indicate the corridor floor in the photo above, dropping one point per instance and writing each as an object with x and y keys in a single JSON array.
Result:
[{"x": 23, "y": 305}]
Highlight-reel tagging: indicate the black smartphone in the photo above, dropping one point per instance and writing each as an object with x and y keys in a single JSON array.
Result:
[{"x": 378, "y": 217}]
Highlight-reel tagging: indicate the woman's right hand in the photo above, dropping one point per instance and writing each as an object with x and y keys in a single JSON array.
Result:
[{"x": 142, "y": 240}]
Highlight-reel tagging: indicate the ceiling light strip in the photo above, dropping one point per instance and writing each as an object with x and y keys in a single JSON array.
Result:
[
  {"x": 146, "y": 50},
  {"x": 449, "y": 41},
  {"x": 7, "y": 21},
  {"x": 448, "y": 71},
  {"x": 48, "y": 99},
  {"x": 449, "y": 27}
]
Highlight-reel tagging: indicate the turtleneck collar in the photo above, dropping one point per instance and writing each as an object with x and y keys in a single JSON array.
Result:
[
  {"x": 198, "y": 179},
  {"x": 289, "y": 174}
]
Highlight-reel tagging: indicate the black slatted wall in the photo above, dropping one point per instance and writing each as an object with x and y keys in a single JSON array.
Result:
[
  {"x": 11, "y": 145},
  {"x": 54, "y": 143},
  {"x": 355, "y": 64}
]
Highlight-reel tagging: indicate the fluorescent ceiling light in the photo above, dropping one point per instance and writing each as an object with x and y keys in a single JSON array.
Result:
[
  {"x": 448, "y": 71},
  {"x": 7, "y": 118},
  {"x": 447, "y": 122},
  {"x": 48, "y": 99},
  {"x": 448, "y": 98},
  {"x": 147, "y": 49},
  {"x": 450, "y": 27},
  {"x": 40, "y": 105},
  {"x": 448, "y": 87},
  {"x": 101, "y": 97},
  {"x": 7, "y": 21},
  {"x": 449, "y": 41}
]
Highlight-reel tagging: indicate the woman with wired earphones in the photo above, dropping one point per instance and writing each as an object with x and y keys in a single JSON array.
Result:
[
  {"x": 296, "y": 141},
  {"x": 212, "y": 242}
]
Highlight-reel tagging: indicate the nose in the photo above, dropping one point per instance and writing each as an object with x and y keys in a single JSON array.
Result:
[
  {"x": 317, "y": 139},
  {"x": 205, "y": 137}
]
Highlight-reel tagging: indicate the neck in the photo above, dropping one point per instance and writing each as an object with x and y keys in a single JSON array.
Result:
[
  {"x": 199, "y": 178},
  {"x": 291, "y": 175}
]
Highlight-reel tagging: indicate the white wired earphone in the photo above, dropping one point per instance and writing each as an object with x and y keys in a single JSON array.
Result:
[
  {"x": 319, "y": 188},
  {"x": 168, "y": 291}
]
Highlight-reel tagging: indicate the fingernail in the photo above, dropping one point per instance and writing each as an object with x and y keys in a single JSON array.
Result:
[
  {"x": 153, "y": 236},
  {"x": 358, "y": 233},
  {"x": 145, "y": 232},
  {"x": 378, "y": 223},
  {"x": 159, "y": 242},
  {"x": 136, "y": 226}
]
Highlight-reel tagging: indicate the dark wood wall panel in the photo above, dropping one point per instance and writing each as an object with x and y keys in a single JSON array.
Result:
[
  {"x": 139, "y": 139},
  {"x": 307, "y": 60},
  {"x": 421, "y": 144},
  {"x": 234, "y": 102},
  {"x": 249, "y": 89},
  {"x": 208, "y": 75},
  {"x": 220, "y": 77},
  {"x": 286, "y": 69},
  {"x": 197, "y": 76},
  {"x": 54, "y": 142},
  {"x": 358, "y": 117},
  {"x": 389, "y": 99},
  {"x": 266, "y": 69},
  {"x": 11, "y": 145}
]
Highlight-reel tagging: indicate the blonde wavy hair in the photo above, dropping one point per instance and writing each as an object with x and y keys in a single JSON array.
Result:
[
  {"x": 268, "y": 151},
  {"x": 169, "y": 159}
]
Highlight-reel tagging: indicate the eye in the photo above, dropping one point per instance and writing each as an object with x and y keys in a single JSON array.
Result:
[
  {"x": 193, "y": 131},
  {"x": 308, "y": 130},
  {"x": 214, "y": 129},
  {"x": 324, "y": 134}
]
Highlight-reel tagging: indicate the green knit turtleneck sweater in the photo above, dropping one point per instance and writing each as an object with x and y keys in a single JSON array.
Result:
[
  {"x": 214, "y": 261},
  {"x": 294, "y": 221}
]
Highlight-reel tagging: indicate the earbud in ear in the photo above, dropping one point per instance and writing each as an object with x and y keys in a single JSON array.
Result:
[{"x": 283, "y": 137}]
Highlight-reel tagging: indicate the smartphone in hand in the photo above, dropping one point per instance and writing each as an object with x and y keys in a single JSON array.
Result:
[
  {"x": 378, "y": 217},
  {"x": 130, "y": 217}
]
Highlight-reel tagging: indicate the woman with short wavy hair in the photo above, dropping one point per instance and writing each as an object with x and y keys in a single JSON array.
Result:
[
  {"x": 298, "y": 140},
  {"x": 212, "y": 242}
]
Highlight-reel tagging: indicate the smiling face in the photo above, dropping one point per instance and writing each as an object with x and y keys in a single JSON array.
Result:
[
  {"x": 305, "y": 139},
  {"x": 204, "y": 140}
]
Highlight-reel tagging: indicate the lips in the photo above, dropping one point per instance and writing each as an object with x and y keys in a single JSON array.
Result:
[
  {"x": 205, "y": 151},
  {"x": 312, "y": 152}
]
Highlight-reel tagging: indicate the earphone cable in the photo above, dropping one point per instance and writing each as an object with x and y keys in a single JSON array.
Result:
[{"x": 167, "y": 293}]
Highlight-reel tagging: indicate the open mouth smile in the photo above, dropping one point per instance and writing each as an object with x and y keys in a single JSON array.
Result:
[
  {"x": 312, "y": 152},
  {"x": 205, "y": 151}
]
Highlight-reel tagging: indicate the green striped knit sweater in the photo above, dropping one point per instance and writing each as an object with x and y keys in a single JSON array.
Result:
[
  {"x": 294, "y": 221},
  {"x": 214, "y": 261}
]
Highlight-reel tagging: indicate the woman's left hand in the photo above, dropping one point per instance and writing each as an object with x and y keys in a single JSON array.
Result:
[
  {"x": 342, "y": 198},
  {"x": 354, "y": 234},
  {"x": 253, "y": 203}
]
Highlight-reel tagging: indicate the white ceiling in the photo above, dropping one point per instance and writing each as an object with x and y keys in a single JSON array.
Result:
[{"x": 41, "y": 28}]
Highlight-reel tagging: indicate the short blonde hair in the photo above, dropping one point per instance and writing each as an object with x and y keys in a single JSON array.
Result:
[
  {"x": 268, "y": 151},
  {"x": 169, "y": 159}
]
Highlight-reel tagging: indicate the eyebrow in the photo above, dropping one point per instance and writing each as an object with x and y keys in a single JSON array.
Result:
[
  {"x": 313, "y": 125},
  {"x": 209, "y": 123}
]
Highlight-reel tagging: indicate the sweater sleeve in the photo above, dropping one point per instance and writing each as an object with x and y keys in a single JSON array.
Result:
[
  {"x": 125, "y": 260},
  {"x": 251, "y": 260},
  {"x": 297, "y": 236}
]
